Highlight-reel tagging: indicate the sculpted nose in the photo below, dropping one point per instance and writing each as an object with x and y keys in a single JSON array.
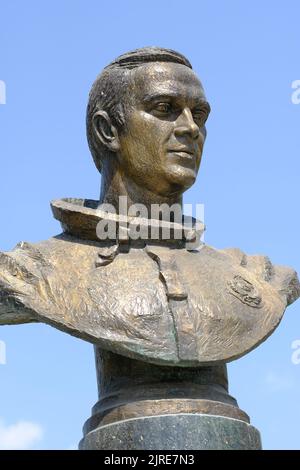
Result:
[{"x": 185, "y": 124}]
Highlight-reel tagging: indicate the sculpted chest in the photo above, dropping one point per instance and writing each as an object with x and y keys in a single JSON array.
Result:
[
  {"x": 167, "y": 306},
  {"x": 178, "y": 303}
]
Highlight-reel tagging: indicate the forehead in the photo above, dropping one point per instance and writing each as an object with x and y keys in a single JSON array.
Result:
[{"x": 166, "y": 78}]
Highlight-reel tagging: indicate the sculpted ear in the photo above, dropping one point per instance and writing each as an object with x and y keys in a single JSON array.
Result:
[{"x": 105, "y": 131}]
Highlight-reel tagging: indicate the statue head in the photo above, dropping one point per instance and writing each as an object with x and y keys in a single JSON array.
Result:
[{"x": 146, "y": 121}]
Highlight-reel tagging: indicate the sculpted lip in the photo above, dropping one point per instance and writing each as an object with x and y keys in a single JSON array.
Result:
[
  {"x": 183, "y": 152},
  {"x": 183, "y": 156}
]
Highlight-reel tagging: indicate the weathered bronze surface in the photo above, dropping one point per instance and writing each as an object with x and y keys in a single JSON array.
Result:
[
  {"x": 131, "y": 389},
  {"x": 157, "y": 301},
  {"x": 163, "y": 407}
]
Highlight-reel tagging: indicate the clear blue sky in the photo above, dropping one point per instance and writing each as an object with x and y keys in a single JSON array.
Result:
[{"x": 247, "y": 55}]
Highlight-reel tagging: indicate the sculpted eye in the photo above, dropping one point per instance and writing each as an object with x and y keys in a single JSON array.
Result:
[
  {"x": 163, "y": 108},
  {"x": 200, "y": 115}
]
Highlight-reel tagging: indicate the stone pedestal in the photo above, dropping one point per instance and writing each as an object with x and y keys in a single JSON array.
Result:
[
  {"x": 150, "y": 407},
  {"x": 174, "y": 432}
]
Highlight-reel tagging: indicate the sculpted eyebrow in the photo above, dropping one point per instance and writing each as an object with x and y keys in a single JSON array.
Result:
[
  {"x": 154, "y": 97},
  {"x": 203, "y": 104},
  {"x": 148, "y": 98}
]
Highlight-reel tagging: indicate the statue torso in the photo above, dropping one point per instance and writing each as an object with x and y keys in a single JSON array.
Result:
[{"x": 157, "y": 303}]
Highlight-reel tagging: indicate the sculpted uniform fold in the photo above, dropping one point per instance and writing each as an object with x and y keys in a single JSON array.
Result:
[{"x": 156, "y": 302}]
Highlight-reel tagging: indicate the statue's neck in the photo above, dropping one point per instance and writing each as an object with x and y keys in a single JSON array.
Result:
[{"x": 116, "y": 185}]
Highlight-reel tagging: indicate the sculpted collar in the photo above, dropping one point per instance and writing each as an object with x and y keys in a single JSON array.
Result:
[{"x": 80, "y": 218}]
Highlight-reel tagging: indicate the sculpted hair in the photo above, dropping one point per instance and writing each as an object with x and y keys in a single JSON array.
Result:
[{"x": 111, "y": 86}]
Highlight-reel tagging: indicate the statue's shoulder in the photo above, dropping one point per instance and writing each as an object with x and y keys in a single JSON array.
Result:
[
  {"x": 25, "y": 272},
  {"x": 282, "y": 278},
  {"x": 27, "y": 260},
  {"x": 20, "y": 271}
]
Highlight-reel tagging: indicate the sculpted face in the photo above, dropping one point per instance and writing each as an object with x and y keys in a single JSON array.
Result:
[{"x": 161, "y": 147}]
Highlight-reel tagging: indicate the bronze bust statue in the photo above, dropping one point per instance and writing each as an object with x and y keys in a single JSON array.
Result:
[{"x": 184, "y": 310}]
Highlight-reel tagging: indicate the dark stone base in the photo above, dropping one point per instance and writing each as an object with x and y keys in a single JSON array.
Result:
[{"x": 174, "y": 432}]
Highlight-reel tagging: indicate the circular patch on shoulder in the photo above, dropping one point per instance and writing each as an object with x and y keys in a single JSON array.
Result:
[{"x": 245, "y": 291}]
